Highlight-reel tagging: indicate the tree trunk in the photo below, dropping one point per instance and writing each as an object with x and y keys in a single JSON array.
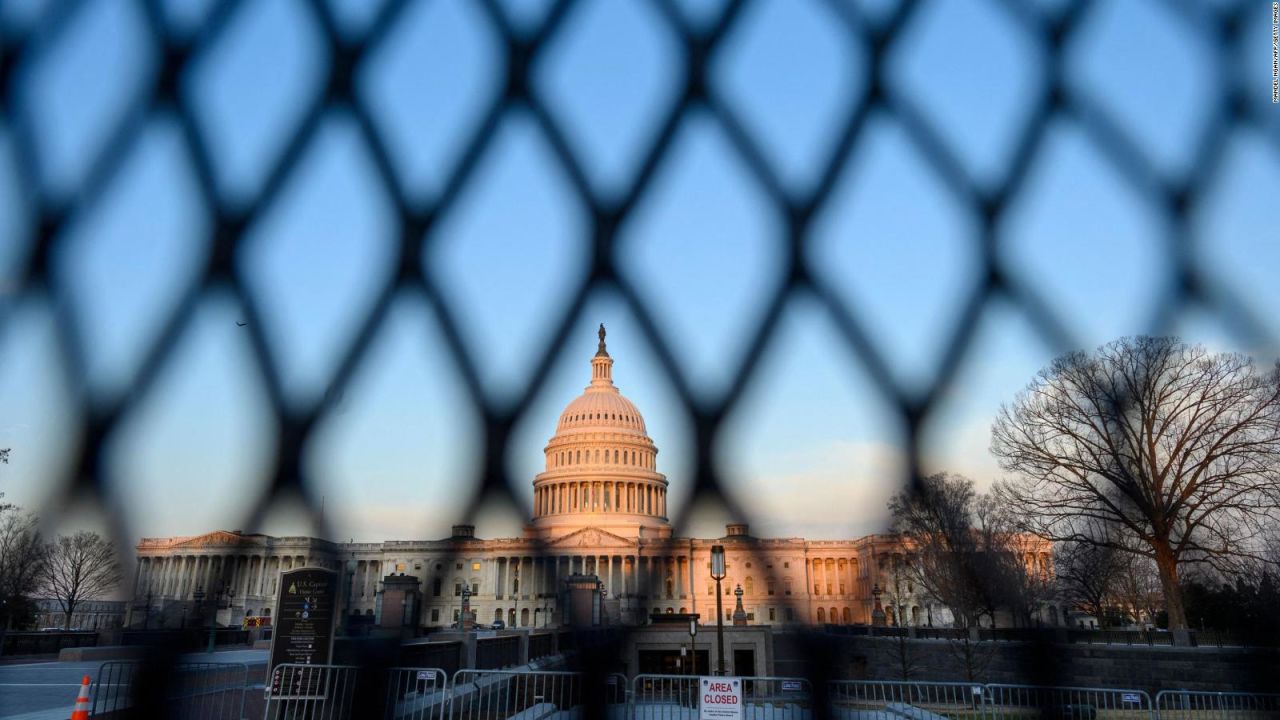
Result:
[{"x": 1167, "y": 564}]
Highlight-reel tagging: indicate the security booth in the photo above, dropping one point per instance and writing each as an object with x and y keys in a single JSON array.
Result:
[
  {"x": 399, "y": 602},
  {"x": 582, "y": 601}
]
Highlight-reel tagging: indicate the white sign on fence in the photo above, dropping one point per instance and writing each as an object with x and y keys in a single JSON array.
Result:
[
  {"x": 1133, "y": 698},
  {"x": 721, "y": 698}
]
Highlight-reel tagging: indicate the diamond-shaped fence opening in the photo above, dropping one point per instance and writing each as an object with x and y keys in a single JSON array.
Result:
[{"x": 241, "y": 135}]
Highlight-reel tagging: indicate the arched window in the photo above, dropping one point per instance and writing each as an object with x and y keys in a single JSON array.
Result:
[
  {"x": 497, "y": 614},
  {"x": 615, "y": 457},
  {"x": 524, "y": 617},
  {"x": 846, "y": 616},
  {"x": 822, "y": 616}
]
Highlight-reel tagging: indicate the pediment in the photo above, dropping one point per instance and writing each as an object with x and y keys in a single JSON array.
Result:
[
  {"x": 217, "y": 538},
  {"x": 592, "y": 537}
]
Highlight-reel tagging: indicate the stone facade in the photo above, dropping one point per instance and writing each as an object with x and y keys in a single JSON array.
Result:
[
  {"x": 88, "y": 615},
  {"x": 599, "y": 509}
]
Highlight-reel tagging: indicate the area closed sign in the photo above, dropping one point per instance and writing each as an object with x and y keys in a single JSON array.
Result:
[{"x": 721, "y": 698}]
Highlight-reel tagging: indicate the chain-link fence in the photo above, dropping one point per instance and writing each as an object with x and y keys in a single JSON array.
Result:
[{"x": 56, "y": 183}]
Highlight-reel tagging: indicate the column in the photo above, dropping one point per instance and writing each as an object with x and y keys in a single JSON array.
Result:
[{"x": 681, "y": 573}]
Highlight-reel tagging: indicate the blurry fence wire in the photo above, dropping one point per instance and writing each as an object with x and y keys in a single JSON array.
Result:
[{"x": 50, "y": 211}]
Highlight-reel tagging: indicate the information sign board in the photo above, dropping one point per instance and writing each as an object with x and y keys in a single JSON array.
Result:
[
  {"x": 720, "y": 698},
  {"x": 304, "y": 625}
]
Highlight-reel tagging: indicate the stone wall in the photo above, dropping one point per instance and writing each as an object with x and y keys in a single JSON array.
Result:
[{"x": 1132, "y": 667}]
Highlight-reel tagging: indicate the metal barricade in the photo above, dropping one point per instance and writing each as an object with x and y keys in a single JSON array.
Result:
[
  {"x": 417, "y": 694},
  {"x": 616, "y": 697},
  {"x": 664, "y": 697},
  {"x": 675, "y": 697},
  {"x": 200, "y": 691},
  {"x": 777, "y": 698},
  {"x": 515, "y": 694},
  {"x": 1066, "y": 703},
  {"x": 315, "y": 692},
  {"x": 856, "y": 698},
  {"x": 1194, "y": 705}
]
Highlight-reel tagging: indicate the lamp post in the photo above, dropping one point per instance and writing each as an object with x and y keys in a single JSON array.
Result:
[
  {"x": 717, "y": 574},
  {"x": 693, "y": 645},
  {"x": 351, "y": 590},
  {"x": 877, "y": 612},
  {"x": 198, "y": 596}
]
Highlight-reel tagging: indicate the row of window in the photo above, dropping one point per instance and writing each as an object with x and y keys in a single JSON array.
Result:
[
  {"x": 617, "y": 417},
  {"x": 605, "y": 457}
]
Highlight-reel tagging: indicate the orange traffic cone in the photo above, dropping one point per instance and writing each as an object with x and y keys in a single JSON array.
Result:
[{"x": 81, "y": 711}]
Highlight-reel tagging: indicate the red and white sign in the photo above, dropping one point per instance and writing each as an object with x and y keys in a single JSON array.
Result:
[{"x": 720, "y": 698}]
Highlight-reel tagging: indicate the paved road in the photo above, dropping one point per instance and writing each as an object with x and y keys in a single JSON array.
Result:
[{"x": 47, "y": 691}]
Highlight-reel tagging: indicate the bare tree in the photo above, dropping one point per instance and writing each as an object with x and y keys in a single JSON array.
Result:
[
  {"x": 81, "y": 567},
  {"x": 965, "y": 553},
  {"x": 22, "y": 554},
  {"x": 1171, "y": 445},
  {"x": 1089, "y": 577}
]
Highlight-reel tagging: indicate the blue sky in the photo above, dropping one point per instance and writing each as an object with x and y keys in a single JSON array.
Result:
[{"x": 813, "y": 446}]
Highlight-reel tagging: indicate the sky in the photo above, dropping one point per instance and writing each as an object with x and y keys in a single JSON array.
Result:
[{"x": 813, "y": 446}]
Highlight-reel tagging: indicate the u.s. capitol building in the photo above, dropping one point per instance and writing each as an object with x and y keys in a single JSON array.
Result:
[{"x": 599, "y": 509}]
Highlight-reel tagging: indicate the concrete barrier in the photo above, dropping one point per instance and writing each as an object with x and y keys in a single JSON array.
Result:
[{"x": 110, "y": 652}]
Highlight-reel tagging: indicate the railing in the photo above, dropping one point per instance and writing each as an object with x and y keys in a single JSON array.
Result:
[
  {"x": 851, "y": 698},
  {"x": 45, "y": 643},
  {"x": 195, "y": 691},
  {"x": 1092, "y": 636},
  {"x": 541, "y": 645},
  {"x": 497, "y": 652},
  {"x": 445, "y": 655},
  {"x": 1190, "y": 705},
  {"x": 1067, "y": 703},
  {"x": 316, "y": 692},
  {"x": 185, "y": 639}
]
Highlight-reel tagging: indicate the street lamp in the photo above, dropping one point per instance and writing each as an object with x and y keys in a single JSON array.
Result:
[
  {"x": 351, "y": 589},
  {"x": 198, "y": 596},
  {"x": 717, "y": 574},
  {"x": 515, "y": 595},
  {"x": 693, "y": 644},
  {"x": 877, "y": 612}
]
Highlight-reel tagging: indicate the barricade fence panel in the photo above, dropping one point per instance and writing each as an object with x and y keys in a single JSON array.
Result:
[
  {"x": 315, "y": 692},
  {"x": 677, "y": 697},
  {"x": 1077, "y": 703},
  {"x": 853, "y": 698},
  {"x": 501, "y": 694},
  {"x": 1193, "y": 705},
  {"x": 200, "y": 691},
  {"x": 417, "y": 694}
]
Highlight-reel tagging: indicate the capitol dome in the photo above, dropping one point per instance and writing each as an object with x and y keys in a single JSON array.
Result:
[{"x": 601, "y": 465}]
